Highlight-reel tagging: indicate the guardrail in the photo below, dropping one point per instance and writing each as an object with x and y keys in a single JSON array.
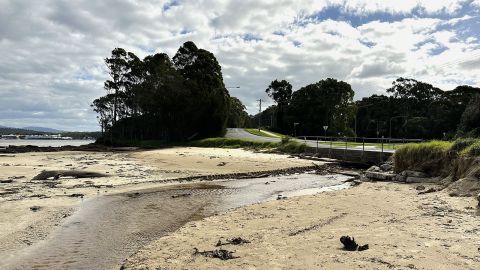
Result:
[{"x": 363, "y": 145}]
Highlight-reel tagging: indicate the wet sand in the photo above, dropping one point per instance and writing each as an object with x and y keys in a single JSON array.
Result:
[
  {"x": 21, "y": 228},
  {"x": 108, "y": 229},
  {"x": 404, "y": 230}
]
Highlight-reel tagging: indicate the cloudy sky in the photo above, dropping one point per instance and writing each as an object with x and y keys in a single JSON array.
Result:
[{"x": 52, "y": 51}]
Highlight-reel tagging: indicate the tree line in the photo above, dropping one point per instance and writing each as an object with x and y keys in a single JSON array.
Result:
[
  {"x": 412, "y": 109},
  {"x": 166, "y": 99},
  {"x": 185, "y": 98}
]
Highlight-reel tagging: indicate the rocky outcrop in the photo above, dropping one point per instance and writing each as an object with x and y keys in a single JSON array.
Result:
[
  {"x": 460, "y": 178},
  {"x": 376, "y": 173},
  {"x": 385, "y": 172}
]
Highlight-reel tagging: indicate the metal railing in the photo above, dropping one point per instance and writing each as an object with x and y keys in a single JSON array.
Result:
[{"x": 364, "y": 144}]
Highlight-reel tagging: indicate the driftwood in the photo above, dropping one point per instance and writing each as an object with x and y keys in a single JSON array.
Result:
[
  {"x": 44, "y": 175},
  {"x": 350, "y": 244},
  {"x": 221, "y": 254}
]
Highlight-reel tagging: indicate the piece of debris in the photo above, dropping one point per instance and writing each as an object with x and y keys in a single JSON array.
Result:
[
  {"x": 35, "y": 208},
  {"x": 181, "y": 195},
  {"x": 222, "y": 164},
  {"x": 362, "y": 248},
  {"x": 350, "y": 244},
  {"x": 77, "y": 195},
  {"x": 281, "y": 197},
  {"x": 221, "y": 254},
  {"x": 233, "y": 241},
  {"x": 6, "y": 181},
  {"x": 44, "y": 175}
]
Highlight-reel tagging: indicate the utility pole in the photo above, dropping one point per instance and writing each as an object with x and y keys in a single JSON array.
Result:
[{"x": 259, "y": 113}]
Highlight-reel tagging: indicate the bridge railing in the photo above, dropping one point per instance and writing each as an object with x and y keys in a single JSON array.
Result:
[{"x": 363, "y": 144}]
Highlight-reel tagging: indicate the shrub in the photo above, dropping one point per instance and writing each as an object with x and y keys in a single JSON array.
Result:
[
  {"x": 462, "y": 143},
  {"x": 286, "y": 139},
  {"x": 292, "y": 147},
  {"x": 473, "y": 150}
]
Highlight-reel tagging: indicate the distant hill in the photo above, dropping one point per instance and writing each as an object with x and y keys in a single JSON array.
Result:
[
  {"x": 20, "y": 131},
  {"x": 39, "y": 130},
  {"x": 43, "y": 129}
]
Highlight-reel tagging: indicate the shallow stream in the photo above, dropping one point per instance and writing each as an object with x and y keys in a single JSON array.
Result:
[{"x": 108, "y": 229}]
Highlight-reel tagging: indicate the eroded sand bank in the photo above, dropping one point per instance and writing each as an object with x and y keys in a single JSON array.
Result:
[{"x": 403, "y": 229}]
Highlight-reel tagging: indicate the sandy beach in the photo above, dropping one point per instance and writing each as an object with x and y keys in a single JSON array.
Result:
[
  {"x": 31, "y": 210},
  {"x": 404, "y": 230}
]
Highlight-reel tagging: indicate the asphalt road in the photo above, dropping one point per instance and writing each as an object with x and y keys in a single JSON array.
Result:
[{"x": 240, "y": 133}]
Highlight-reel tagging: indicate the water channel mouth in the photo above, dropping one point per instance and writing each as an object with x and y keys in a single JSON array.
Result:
[{"x": 108, "y": 229}]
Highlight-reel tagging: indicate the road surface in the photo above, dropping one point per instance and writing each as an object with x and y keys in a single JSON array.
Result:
[{"x": 240, "y": 133}]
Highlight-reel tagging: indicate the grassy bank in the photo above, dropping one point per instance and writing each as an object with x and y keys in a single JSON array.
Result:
[
  {"x": 287, "y": 147},
  {"x": 434, "y": 155},
  {"x": 270, "y": 134}
]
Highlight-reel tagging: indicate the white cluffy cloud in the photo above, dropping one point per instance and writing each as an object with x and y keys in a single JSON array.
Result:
[{"x": 52, "y": 62}]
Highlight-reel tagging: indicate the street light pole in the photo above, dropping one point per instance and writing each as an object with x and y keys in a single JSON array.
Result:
[{"x": 259, "y": 113}]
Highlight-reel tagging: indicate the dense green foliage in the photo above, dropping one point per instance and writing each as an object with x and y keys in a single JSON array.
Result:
[
  {"x": 326, "y": 103},
  {"x": 166, "y": 99},
  {"x": 184, "y": 98},
  {"x": 412, "y": 109},
  {"x": 281, "y": 93},
  {"x": 419, "y": 110},
  {"x": 237, "y": 116},
  {"x": 470, "y": 120}
]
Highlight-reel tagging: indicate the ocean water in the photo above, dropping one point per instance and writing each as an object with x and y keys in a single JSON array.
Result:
[{"x": 44, "y": 143}]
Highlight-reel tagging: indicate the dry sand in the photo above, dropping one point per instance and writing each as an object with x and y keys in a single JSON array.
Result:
[
  {"x": 403, "y": 229},
  {"x": 127, "y": 171}
]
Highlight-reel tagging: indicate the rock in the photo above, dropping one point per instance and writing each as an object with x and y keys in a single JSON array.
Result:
[
  {"x": 380, "y": 176},
  {"x": 374, "y": 169},
  {"x": 386, "y": 167},
  {"x": 222, "y": 164},
  {"x": 420, "y": 187},
  {"x": 400, "y": 178},
  {"x": 408, "y": 173},
  {"x": 412, "y": 179},
  {"x": 76, "y": 195}
]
